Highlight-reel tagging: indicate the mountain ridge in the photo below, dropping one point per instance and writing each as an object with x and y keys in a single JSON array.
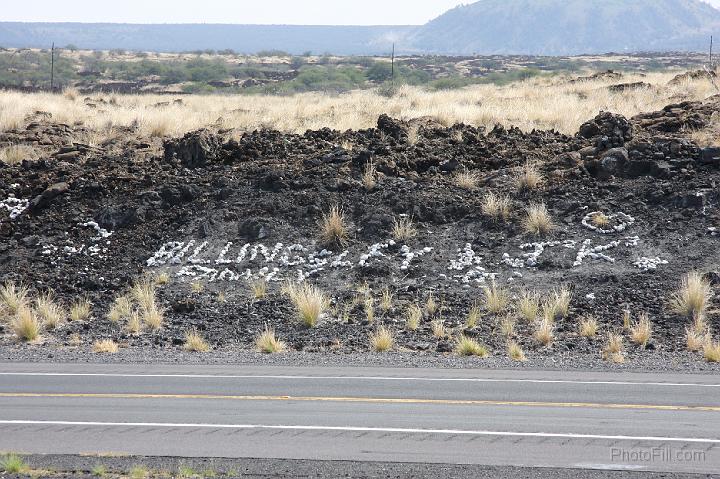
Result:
[{"x": 537, "y": 27}]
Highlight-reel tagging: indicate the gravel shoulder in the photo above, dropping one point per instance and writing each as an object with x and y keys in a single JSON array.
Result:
[
  {"x": 646, "y": 361},
  {"x": 80, "y": 467}
]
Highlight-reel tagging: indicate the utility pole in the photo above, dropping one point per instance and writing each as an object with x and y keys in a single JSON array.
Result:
[
  {"x": 52, "y": 68},
  {"x": 711, "y": 46},
  {"x": 392, "y": 67}
]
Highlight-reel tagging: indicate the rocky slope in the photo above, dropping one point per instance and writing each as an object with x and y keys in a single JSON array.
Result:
[{"x": 219, "y": 212}]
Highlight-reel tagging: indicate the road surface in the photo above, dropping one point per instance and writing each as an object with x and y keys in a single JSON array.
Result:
[{"x": 655, "y": 422}]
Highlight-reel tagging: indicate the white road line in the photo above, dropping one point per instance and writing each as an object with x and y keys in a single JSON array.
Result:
[
  {"x": 365, "y": 429},
  {"x": 365, "y": 378}
]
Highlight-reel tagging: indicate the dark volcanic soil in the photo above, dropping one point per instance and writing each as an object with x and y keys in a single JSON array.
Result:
[{"x": 219, "y": 212}]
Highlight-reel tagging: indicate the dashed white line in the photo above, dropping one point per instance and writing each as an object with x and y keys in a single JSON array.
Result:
[{"x": 364, "y": 378}]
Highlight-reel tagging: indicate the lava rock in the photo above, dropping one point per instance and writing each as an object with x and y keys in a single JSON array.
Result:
[
  {"x": 50, "y": 193},
  {"x": 194, "y": 149},
  {"x": 113, "y": 217},
  {"x": 710, "y": 155}
]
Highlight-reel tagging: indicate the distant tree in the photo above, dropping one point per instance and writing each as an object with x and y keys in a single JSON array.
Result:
[
  {"x": 379, "y": 72},
  {"x": 71, "y": 47}
]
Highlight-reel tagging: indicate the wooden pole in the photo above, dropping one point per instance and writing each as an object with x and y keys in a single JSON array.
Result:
[
  {"x": 52, "y": 67},
  {"x": 392, "y": 67}
]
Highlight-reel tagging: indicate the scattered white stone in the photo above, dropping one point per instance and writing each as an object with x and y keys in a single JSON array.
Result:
[
  {"x": 649, "y": 264},
  {"x": 632, "y": 241},
  {"x": 166, "y": 252},
  {"x": 713, "y": 231},
  {"x": 590, "y": 296},
  {"x": 15, "y": 206},
  {"x": 625, "y": 221},
  {"x": 375, "y": 251},
  {"x": 221, "y": 259},
  {"x": 408, "y": 255},
  {"x": 193, "y": 259},
  {"x": 595, "y": 252},
  {"x": 101, "y": 232},
  {"x": 530, "y": 260}
]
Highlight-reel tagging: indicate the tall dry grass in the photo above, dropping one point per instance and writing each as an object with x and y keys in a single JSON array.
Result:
[{"x": 537, "y": 103}]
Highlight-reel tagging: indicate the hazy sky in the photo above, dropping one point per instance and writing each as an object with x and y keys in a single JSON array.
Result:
[{"x": 303, "y": 12}]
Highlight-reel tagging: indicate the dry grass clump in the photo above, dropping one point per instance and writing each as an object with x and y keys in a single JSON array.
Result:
[
  {"x": 709, "y": 136},
  {"x": 107, "y": 346},
  {"x": 507, "y": 327},
  {"x": 529, "y": 177},
  {"x": 71, "y": 93},
  {"x": 515, "y": 352},
  {"x": 332, "y": 227},
  {"x": 80, "y": 310},
  {"x": 694, "y": 339},
  {"x": 310, "y": 302},
  {"x": 588, "y": 327},
  {"x": 369, "y": 307},
  {"x": 496, "y": 207},
  {"x": 266, "y": 342},
  {"x": 382, "y": 339},
  {"x": 438, "y": 329},
  {"x": 537, "y": 220},
  {"x": 143, "y": 292},
  {"x": 369, "y": 176},
  {"x": 404, "y": 229},
  {"x": 627, "y": 318},
  {"x": 641, "y": 330},
  {"x": 711, "y": 350},
  {"x": 15, "y": 154},
  {"x": 613, "y": 349},
  {"x": 150, "y": 314},
  {"x": 153, "y": 317},
  {"x": 49, "y": 311},
  {"x": 413, "y": 135},
  {"x": 431, "y": 305},
  {"x": 692, "y": 297},
  {"x": 162, "y": 278},
  {"x": 134, "y": 322},
  {"x": 601, "y": 220},
  {"x": 413, "y": 317},
  {"x": 258, "y": 288},
  {"x": 14, "y": 296},
  {"x": 466, "y": 346},
  {"x": 467, "y": 180},
  {"x": 121, "y": 309},
  {"x": 496, "y": 298},
  {"x": 386, "y": 300},
  {"x": 557, "y": 305},
  {"x": 544, "y": 331},
  {"x": 197, "y": 287},
  {"x": 473, "y": 316},
  {"x": 194, "y": 342},
  {"x": 528, "y": 305},
  {"x": 25, "y": 325}
]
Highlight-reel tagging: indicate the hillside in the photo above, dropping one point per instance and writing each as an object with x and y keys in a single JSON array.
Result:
[
  {"x": 566, "y": 27},
  {"x": 295, "y": 39},
  {"x": 533, "y": 27}
]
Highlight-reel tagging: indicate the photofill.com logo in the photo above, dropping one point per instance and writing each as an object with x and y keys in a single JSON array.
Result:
[{"x": 657, "y": 454}]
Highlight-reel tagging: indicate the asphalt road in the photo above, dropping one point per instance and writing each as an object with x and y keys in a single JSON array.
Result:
[{"x": 655, "y": 422}]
